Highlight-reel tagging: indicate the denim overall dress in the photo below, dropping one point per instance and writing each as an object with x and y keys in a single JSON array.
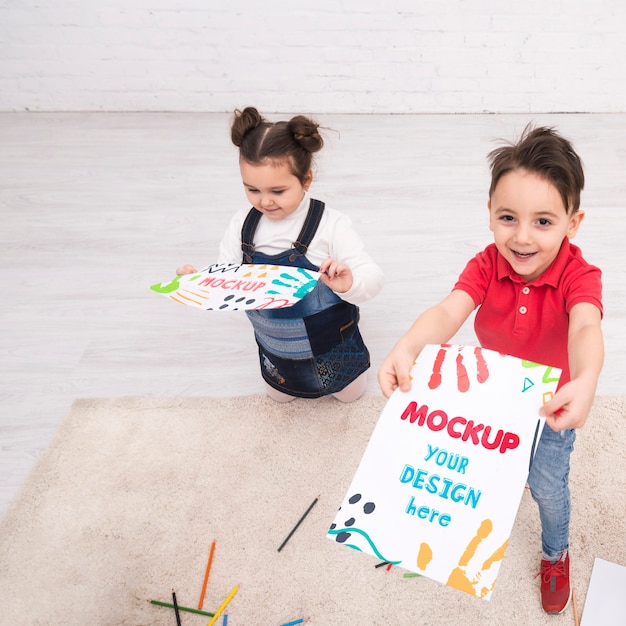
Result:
[{"x": 313, "y": 348}]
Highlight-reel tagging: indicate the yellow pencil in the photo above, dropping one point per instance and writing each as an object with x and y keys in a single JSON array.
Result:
[{"x": 229, "y": 597}]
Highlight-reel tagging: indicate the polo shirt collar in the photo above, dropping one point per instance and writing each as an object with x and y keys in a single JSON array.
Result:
[{"x": 549, "y": 277}]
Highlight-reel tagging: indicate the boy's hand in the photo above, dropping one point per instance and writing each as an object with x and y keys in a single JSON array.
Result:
[
  {"x": 186, "y": 269},
  {"x": 394, "y": 372},
  {"x": 570, "y": 406},
  {"x": 335, "y": 275}
]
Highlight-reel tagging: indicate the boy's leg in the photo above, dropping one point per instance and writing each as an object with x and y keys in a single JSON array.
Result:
[{"x": 549, "y": 485}]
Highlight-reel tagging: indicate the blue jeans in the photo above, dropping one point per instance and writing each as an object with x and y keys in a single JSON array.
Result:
[{"x": 548, "y": 481}]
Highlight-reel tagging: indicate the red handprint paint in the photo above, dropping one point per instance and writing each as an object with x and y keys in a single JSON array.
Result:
[
  {"x": 463, "y": 381},
  {"x": 435, "y": 378},
  {"x": 461, "y": 373},
  {"x": 483, "y": 372}
]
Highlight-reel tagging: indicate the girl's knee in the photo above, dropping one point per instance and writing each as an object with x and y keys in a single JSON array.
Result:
[
  {"x": 278, "y": 396},
  {"x": 354, "y": 390}
]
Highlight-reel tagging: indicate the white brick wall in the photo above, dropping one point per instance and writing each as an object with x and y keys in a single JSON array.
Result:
[{"x": 384, "y": 56}]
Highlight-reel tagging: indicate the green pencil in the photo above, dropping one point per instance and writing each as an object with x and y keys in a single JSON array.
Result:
[{"x": 182, "y": 608}]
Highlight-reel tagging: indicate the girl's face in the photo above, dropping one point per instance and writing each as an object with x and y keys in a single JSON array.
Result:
[
  {"x": 529, "y": 222},
  {"x": 272, "y": 188}
]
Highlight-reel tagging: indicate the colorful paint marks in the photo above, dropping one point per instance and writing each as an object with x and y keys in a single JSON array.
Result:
[
  {"x": 446, "y": 466},
  {"x": 233, "y": 287}
]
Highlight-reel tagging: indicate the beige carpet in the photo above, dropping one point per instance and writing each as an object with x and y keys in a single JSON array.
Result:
[{"x": 124, "y": 505}]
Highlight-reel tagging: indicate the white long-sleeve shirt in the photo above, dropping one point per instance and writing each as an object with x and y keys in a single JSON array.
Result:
[{"x": 334, "y": 238}]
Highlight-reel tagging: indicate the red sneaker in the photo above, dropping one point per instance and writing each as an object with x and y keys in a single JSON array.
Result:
[{"x": 556, "y": 590}]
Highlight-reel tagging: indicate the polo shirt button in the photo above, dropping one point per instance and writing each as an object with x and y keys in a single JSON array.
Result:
[
  {"x": 526, "y": 290},
  {"x": 523, "y": 310}
]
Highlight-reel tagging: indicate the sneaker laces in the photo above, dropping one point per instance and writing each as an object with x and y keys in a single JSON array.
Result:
[{"x": 548, "y": 570}]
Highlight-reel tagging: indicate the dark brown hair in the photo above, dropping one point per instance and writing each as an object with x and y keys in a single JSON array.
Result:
[
  {"x": 545, "y": 153},
  {"x": 260, "y": 141}
]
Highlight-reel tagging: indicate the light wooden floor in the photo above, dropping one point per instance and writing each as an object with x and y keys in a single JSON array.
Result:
[{"x": 96, "y": 207}]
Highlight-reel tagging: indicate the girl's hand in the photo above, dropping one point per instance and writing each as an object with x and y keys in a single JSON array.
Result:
[
  {"x": 335, "y": 275},
  {"x": 186, "y": 269}
]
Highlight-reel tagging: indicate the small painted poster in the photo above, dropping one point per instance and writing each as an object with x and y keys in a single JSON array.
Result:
[
  {"x": 441, "y": 479},
  {"x": 234, "y": 287}
]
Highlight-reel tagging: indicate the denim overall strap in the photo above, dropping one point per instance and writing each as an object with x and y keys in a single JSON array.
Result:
[
  {"x": 247, "y": 234},
  {"x": 300, "y": 245},
  {"x": 309, "y": 228}
]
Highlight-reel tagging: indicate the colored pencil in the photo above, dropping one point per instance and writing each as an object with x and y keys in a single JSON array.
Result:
[
  {"x": 181, "y": 608},
  {"x": 296, "y": 621},
  {"x": 293, "y": 530},
  {"x": 223, "y": 606},
  {"x": 225, "y": 619},
  {"x": 575, "y": 608},
  {"x": 176, "y": 609},
  {"x": 382, "y": 564},
  {"x": 206, "y": 576}
]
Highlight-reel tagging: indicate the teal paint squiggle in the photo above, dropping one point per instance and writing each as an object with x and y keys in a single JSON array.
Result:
[
  {"x": 336, "y": 531},
  {"x": 351, "y": 545}
]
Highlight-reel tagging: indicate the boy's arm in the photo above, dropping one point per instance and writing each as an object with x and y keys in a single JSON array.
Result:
[
  {"x": 571, "y": 404},
  {"x": 436, "y": 325}
]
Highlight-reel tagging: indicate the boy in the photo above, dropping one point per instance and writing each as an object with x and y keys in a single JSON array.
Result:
[{"x": 539, "y": 300}]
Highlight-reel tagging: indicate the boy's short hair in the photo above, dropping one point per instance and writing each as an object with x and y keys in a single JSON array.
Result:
[{"x": 544, "y": 152}]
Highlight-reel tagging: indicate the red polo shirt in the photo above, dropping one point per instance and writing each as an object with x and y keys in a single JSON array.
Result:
[{"x": 529, "y": 319}]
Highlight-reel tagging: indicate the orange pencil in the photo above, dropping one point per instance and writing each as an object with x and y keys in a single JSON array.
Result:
[
  {"x": 575, "y": 609},
  {"x": 206, "y": 575}
]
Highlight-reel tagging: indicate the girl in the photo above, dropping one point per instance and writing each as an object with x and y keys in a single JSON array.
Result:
[{"x": 313, "y": 348}]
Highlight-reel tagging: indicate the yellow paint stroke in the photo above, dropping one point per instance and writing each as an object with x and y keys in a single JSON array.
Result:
[
  {"x": 177, "y": 300},
  {"x": 458, "y": 577},
  {"x": 498, "y": 555},
  {"x": 263, "y": 275},
  {"x": 424, "y": 556},
  {"x": 180, "y": 295}
]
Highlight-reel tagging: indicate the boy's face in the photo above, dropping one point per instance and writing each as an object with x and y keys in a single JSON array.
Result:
[
  {"x": 529, "y": 222},
  {"x": 272, "y": 188}
]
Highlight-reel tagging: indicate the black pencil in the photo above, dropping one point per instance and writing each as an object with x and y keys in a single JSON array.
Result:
[
  {"x": 293, "y": 530},
  {"x": 176, "y": 609}
]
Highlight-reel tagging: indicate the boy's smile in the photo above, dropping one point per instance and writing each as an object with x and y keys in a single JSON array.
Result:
[{"x": 529, "y": 222}]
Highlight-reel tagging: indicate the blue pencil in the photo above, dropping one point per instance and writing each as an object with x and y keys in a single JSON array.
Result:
[{"x": 297, "y": 621}]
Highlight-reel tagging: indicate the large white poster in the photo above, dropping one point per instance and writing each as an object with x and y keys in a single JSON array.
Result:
[{"x": 440, "y": 482}]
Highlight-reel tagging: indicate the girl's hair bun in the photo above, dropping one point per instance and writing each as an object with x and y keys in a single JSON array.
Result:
[
  {"x": 260, "y": 141},
  {"x": 244, "y": 122},
  {"x": 305, "y": 132}
]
